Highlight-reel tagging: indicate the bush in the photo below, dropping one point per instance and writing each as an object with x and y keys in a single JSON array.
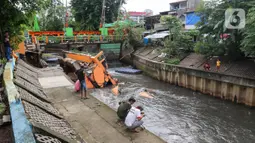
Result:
[{"x": 210, "y": 47}]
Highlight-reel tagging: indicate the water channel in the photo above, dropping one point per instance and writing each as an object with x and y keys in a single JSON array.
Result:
[{"x": 179, "y": 115}]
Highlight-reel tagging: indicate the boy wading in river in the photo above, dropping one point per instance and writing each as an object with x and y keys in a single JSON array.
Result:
[{"x": 80, "y": 74}]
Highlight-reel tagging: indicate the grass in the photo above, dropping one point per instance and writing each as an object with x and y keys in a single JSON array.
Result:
[
  {"x": 173, "y": 61},
  {"x": 2, "y": 108}
]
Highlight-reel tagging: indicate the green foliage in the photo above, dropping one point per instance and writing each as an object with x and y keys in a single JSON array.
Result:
[
  {"x": 135, "y": 37},
  {"x": 173, "y": 23},
  {"x": 52, "y": 18},
  {"x": 209, "y": 48},
  {"x": 3, "y": 61},
  {"x": 15, "y": 14},
  {"x": 212, "y": 15},
  {"x": 248, "y": 42},
  {"x": 179, "y": 41},
  {"x": 173, "y": 61},
  {"x": 88, "y": 12},
  {"x": 2, "y": 108}
]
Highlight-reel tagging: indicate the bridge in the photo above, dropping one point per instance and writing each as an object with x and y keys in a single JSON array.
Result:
[{"x": 78, "y": 37}]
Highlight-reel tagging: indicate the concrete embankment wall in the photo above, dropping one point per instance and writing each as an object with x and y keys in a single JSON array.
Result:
[
  {"x": 234, "y": 88},
  {"x": 22, "y": 129}
]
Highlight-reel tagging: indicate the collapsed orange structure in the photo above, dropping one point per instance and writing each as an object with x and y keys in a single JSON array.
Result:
[{"x": 99, "y": 76}]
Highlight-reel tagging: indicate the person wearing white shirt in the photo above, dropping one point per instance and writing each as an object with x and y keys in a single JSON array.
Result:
[{"x": 134, "y": 118}]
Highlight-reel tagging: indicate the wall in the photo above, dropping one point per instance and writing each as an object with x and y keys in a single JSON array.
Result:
[
  {"x": 22, "y": 129},
  {"x": 239, "y": 89},
  {"x": 192, "y": 4}
]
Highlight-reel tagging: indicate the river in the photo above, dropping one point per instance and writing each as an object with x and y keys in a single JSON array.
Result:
[{"x": 179, "y": 115}]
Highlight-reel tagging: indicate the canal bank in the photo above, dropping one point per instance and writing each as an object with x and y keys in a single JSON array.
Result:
[
  {"x": 229, "y": 87},
  {"x": 45, "y": 107}
]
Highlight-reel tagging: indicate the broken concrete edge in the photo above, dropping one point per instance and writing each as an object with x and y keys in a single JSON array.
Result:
[
  {"x": 56, "y": 134},
  {"x": 22, "y": 129},
  {"x": 34, "y": 93},
  {"x": 49, "y": 112}
]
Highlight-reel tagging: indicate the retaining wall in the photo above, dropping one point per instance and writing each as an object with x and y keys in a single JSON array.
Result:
[
  {"x": 22, "y": 129},
  {"x": 239, "y": 89}
]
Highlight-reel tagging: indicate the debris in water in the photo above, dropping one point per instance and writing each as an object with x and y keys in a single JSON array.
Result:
[
  {"x": 128, "y": 71},
  {"x": 145, "y": 94},
  {"x": 115, "y": 90}
]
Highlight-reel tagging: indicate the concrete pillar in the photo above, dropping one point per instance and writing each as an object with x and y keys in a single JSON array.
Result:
[
  {"x": 249, "y": 97},
  {"x": 186, "y": 84},
  {"x": 204, "y": 85},
  {"x": 213, "y": 88},
  {"x": 230, "y": 91},
  {"x": 224, "y": 89},
  {"x": 218, "y": 89},
  {"x": 194, "y": 83},
  {"x": 171, "y": 77},
  {"x": 177, "y": 78},
  {"x": 236, "y": 92}
]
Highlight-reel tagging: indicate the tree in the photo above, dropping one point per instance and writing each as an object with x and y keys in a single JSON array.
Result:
[
  {"x": 212, "y": 15},
  {"x": 179, "y": 41},
  {"x": 88, "y": 13},
  {"x": 52, "y": 18},
  {"x": 248, "y": 42},
  {"x": 16, "y": 15}
]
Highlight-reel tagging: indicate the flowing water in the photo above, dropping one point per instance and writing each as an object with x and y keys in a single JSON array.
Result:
[{"x": 179, "y": 115}]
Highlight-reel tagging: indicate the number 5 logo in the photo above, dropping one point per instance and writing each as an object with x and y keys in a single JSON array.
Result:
[{"x": 234, "y": 18}]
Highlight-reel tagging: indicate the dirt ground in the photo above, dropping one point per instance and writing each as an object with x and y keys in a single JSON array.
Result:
[{"x": 6, "y": 134}]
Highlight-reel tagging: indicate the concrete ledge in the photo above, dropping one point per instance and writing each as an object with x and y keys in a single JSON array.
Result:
[{"x": 22, "y": 129}]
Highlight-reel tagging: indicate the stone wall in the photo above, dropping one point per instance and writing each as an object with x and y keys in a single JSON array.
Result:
[{"x": 234, "y": 88}]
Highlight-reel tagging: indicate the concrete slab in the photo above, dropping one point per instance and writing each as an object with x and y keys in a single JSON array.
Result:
[
  {"x": 56, "y": 81},
  {"x": 94, "y": 121}
]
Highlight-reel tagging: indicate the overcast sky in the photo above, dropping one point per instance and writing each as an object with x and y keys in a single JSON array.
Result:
[
  {"x": 155, "y": 5},
  {"x": 140, "y": 5}
]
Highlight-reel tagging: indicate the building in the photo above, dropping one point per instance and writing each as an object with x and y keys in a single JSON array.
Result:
[
  {"x": 139, "y": 16},
  {"x": 184, "y": 9},
  {"x": 183, "y": 5}
]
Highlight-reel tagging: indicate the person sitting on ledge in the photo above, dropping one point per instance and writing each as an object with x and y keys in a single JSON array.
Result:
[
  {"x": 124, "y": 108},
  {"x": 134, "y": 118}
]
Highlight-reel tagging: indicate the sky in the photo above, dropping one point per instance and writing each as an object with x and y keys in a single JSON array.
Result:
[
  {"x": 140, "y": 5},
  {"x": 155, "y": 5}
]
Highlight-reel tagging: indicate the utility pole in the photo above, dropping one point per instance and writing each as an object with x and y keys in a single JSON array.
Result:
[
  {"x": 66, "y": 23},
  {"x": 119, "y": 9},
  {"x": 102, "y": 15}
]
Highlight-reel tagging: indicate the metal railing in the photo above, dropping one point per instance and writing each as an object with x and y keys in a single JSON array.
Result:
[{"x": 78, "y": 39}]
